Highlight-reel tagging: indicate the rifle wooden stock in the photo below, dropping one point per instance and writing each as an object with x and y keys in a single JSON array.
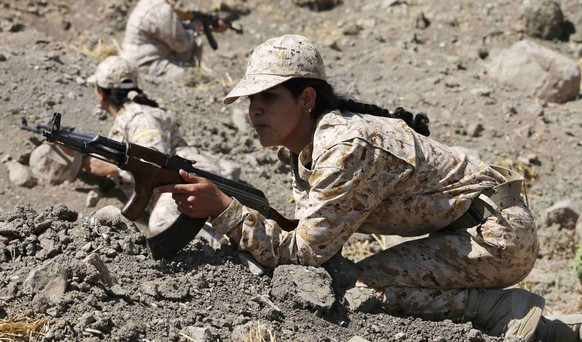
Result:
[{"x": 147, "y": 177}]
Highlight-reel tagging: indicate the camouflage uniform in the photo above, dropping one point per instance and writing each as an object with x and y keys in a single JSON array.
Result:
[
  {"x": 157, "y": 42},
  {"x": 375, "y": 175}
]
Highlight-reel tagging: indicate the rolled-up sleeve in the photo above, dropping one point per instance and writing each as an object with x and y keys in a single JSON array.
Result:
[{"x": 347, "y": 182}]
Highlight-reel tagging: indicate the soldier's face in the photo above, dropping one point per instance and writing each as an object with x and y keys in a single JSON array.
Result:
[{"x": 280, "y": 119}]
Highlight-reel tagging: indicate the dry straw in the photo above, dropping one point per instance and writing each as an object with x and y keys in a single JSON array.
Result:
[
  {"x": 101, "y": 50},
  {"x": 529, "y": 172},
  {"x": 261, "y": 334},
  {"x": 22, "y": 328}
]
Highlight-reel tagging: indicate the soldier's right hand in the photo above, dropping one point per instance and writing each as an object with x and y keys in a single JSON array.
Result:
[{"x": 198, "y": 197}]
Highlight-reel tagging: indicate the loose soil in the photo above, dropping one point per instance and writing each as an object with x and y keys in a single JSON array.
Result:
[{"x": 374, "y": 50}]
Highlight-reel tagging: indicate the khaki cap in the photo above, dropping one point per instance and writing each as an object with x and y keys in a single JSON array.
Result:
[
  {"x": 114, "y": 72},
  {"x": 276, "y": 61}
]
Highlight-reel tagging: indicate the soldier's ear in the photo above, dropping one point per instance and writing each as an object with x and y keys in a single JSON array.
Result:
[
  {"x": 308, "y": 97},
  {"x": 100, "y": 94}
]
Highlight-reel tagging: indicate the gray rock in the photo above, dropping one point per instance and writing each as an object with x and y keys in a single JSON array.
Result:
[
  {"x": 199, "y": 334},
  {"x": 108, "y": 216},
  {"x": 20, "y": 175},
  {"x": 562, "y": 213},
  {"x": 360, "y": 299},
  {"x": 104, "y": 276},
  {"x": 543, "y": 19},
  {"x": 303, "y": 286},
  {"x": 92, "y": 199},
  {"x": 48, "y": 281},
  {"x": 537, "y": 71},
  {"x": 357, "y": 339},
  {"x": 50, "y": 246}
]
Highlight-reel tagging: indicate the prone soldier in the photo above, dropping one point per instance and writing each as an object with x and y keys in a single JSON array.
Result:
[{"x": 139, "y": 120}]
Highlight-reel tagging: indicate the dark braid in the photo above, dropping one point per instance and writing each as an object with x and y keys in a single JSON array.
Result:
[
  {"x": 327, "y": 100},
  {"x": 119, "y": 96}
]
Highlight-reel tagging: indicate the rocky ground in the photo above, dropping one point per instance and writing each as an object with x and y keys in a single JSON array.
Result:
[{"x": 90, "y": 277}]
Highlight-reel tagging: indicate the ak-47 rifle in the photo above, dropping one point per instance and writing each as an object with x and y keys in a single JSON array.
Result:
[
  {"x": 151, "y": 168},
  {"x": 209, "y": 21}
]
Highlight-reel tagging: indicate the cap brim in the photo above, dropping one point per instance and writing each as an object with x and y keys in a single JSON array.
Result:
[
  {"x": 253, "y": 84},
  {"x": 92, "y": 79}
]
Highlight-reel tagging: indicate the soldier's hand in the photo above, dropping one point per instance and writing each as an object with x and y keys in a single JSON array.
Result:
[
  {"x": 198, "y": 197},
  {"x": 221, "y": 26},
  {"x": 98, "y": 167}
]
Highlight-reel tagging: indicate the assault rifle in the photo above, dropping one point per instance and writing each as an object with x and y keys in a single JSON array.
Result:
[
  {"x": 209, "y": 21},
  {"x": 151, "y": 168}
]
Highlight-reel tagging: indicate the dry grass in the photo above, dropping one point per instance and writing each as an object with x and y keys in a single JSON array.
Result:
[
  {"x": 258, "y": 334},
  {"x": 524, "y": 285},
  {"x": 529, "y": 172},
  {"x": 101, "y": 50},
  {"x": 358, "y": 250},
  {"x": 577, "y": 263},
  {"x": 23, "y": 328}
]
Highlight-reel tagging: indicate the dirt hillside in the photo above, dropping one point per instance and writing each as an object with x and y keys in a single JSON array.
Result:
[{"x": 426, "y": 56}]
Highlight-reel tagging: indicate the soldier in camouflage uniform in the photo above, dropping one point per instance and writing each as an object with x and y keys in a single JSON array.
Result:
[
  {"x": 358, "y": 168},
  {"x": 139, "y": 120},
  {"x": 158, "y": 43}
]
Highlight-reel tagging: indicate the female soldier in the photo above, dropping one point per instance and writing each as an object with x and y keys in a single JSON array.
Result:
[
  {"x": 358, "y": 168},
  {"x": 139, "y": 120}
]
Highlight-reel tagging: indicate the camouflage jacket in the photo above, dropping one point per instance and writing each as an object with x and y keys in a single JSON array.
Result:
[
  {"x": 154, "y": 32},
  {"x": 367, "y": 174},
  {"x": 147, "y": 126}
]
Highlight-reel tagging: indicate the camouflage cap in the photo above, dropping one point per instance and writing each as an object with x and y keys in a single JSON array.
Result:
[
  {"x": 276, "y": 61},
  {"x": 115, "y": 72}
]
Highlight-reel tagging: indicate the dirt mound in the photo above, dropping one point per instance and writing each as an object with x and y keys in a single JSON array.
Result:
[{"x": 96, "y": 281}]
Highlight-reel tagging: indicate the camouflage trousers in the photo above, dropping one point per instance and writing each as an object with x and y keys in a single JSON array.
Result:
[
  {"x": 430, "y": 277},
  {"x": 164, "y": 213},
  {"x": 176, "y": 67}
]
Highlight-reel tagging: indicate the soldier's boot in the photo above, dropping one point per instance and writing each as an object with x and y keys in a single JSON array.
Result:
[
  {"x": 566, "y": 328},
  {"x": 510, "y": 313}
]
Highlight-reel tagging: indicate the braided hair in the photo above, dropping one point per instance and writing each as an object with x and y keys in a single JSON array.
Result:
[
  {"x": 119, "y": 96},
  {"x": 327, "y": 100}
]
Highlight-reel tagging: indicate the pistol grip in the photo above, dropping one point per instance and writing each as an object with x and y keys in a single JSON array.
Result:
[
  {"x": 137, "y": 202},
  {"x": 210, "y": 36}
]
